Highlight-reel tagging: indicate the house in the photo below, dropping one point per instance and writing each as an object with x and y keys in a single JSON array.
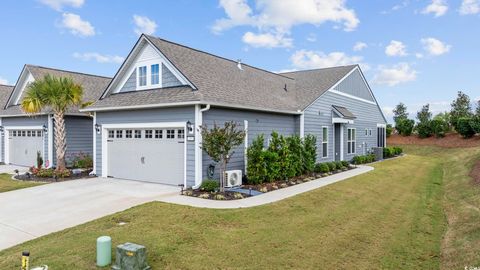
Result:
[
  {"x": 147, "y": 120},
  {"x": 23, "y": 136}
]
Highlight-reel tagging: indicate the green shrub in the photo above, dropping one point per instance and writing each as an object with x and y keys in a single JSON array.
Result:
[
  {"x": 388, "y": 152},
  {"x": 332, "y": 166},
  {"x": 358, "y": 160},
  {"x": 65, "y": 173},
  {"x": 339, "y": 165},
  {"x": 309, "y": 153},
  {"x": 397, "y": 151},
  {"x": 370, "y": 158},
  {"x": 345, "y": 163},
  {"x": 291, "y": 164},
  {"x": 46, "y": 173},
  {"x": 405, "y": 126},
  {"x": 475, "y": 123},
  {"x": 256, "y": 167},
  {"x": 39, "y": 160},
  {"x": 439, "y": 127},
  {"x": 272, "y": 164},
  {"x": 424, "y": 129},
  {"x": 322, "y": 168},
  {"x": 82, "y": 160},
  {"x": 464, "y": 127},
  {"x": 209, "y": 185},
  {"x": 389, "y": 130}
]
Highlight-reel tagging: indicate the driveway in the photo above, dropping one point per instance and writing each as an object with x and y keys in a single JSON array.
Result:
[{"x": 28, "y": 213}]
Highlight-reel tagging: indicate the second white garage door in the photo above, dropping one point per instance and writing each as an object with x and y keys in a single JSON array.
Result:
[
  {"x": 24, "y": 146},
  {"x": 152, "y": 155}
]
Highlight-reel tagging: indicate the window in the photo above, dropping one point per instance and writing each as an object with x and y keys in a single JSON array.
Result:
[
  {"x": 148, "y": 134},
  {"x": 170, "y": 133},
  {"x": 381, "y": 136},
  {"x": 23, "y": 133},
  {"x": 128, "y": 133},
  {"x": 181, "y": 134},
  {"x": 34, "y": 133},
  {"x": 324, "y": 142},
  {"x": 138, "y": 134},
  {"x": 155, "y": 70},
  {"x": 351, "y": 137},
  {"x": 39, "y": 133},
  {"x": 366, "y": 132},
  {"x": 370, "y": 132},
  {"x": 158, "y": 134},
  {"x": 119, "y": 134},
  {"x": 142, "y": 76},
  {"x": 111, "y": 133},
  {"x": 12, "y": 133},
  {"x": 29, "y": 133}
]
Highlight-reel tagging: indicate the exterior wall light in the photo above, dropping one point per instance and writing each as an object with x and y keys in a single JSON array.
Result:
[
  {"x": 45, "y": 129},
  {"x": 189, "y": 127},
  {"x": 1, "y": 129},
  {"x": 97, "y": 128}
]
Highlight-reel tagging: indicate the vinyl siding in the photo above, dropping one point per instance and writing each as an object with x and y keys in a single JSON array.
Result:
[
  {"x": 177, "y": 114},
  {"x": 9, "y": 122},
  {"x": 79, "y": 135},
  {"x": 131, "y": 83},
  {"x": 258, "y": 123},
  {"x": 319, "y": 114},
  {"x": 354, "y": 85},
  {"x": 168, "y": 79}
]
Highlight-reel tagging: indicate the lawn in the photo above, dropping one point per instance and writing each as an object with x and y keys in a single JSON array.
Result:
[
  {"x": 7, "y": 184},
  {"x": 394, "y": 217}
]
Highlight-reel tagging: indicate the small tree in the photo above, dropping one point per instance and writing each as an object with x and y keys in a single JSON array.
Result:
[
  {"x": 310, "y": 152},
  {"x": 477, "y": 110},
  {"x": 285, "y": 158},
  {"x": 465, "y": 127},
  {"x": 256, "y": 169},
  {"x": 405, "y": 127},
  {"x": 389, "y": 130},
  {"x": 400, "y": 112},
  {"x": 460, "y": 108},
  {"x": 219, "y": 143},
  {"x": 424, "y": 117}
]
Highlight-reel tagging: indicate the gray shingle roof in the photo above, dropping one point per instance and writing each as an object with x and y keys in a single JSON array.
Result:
[
  {"x": 219, "y": 81},
  {"x": 344, "y": 112},
  {"x": 5, "y": 91},
  {"x": 93, "y": 86}
]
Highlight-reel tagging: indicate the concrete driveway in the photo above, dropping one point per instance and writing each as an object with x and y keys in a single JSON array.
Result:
[{"x": 32, "y": 212}]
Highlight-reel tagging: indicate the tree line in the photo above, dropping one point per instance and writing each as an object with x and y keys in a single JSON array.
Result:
[{"x": 461, "y": 118}]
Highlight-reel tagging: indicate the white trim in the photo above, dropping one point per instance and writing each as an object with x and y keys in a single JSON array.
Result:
[
  {"x": 7, "y": 137},
  {"x": 198, "y": 150},
  {"x": 245, "y": 156},
  {"x": 322, "y": 142},
  {"x": 106, "y": 127},
  {"x": 94, "y": 143},
  {"x": 50, "y": 129},
  {"x": 351, "y": 96},
  {"x": 381, "y": 125},
  {"x": 2, "y": 158},
  {"x": 354, "y": 149},
  {"x": 178, "y": 104},
  {"x": 341, "y": 141},
  {"x": 339, "y": 120},
  {"x": 302, "y": 125}
]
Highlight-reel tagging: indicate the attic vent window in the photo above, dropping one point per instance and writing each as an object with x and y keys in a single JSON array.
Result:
[{"x": 239, "y": 64}]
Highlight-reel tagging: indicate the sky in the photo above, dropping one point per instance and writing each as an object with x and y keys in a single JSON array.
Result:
[{"x": 410, "y": 51}]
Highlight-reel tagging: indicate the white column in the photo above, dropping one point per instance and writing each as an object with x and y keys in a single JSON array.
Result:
[
  {"x": 198, "y": 141},
  {"x": 50, "y": 140},
  {"x": 245, "y": 158},
  {"x": 94, "y": 143},
  {"x": 341, "y": 141},
  {"x": 302, "y": 125}
]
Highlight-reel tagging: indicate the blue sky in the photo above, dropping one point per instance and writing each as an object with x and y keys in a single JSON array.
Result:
[{"x": 412, "y": 51}]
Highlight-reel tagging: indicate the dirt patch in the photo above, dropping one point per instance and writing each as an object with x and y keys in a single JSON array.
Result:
[
  {"x": 451, "y": 140},
  {"x": 475, "y": 173}
]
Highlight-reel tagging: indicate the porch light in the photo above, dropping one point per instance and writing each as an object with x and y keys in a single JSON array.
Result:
[
  {"x": 97, "y": 128},
  {"x": 1, "y": 129},
  {"x": 45, "y": 129},
  {"x": 189, "y": 127}
]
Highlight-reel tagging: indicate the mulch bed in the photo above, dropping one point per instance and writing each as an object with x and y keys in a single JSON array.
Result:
[
  {"x": 225, "y": 196},
  {"x": 451, "y": 140},
  {"x": 475, "y": 173},
  {"x": 31, "y": 177}
]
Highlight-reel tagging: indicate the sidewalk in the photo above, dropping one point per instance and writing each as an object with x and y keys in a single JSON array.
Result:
[{"x": 268, "y": 197}]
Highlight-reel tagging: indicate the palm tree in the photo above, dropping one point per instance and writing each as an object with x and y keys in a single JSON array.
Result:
[{"x": 56, "y": 95}]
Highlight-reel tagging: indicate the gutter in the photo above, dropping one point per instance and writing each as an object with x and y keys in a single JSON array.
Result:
[{"x": 198, "y": 141}]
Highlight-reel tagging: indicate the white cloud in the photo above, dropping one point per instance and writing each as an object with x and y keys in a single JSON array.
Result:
[
  {"x": 396, "y": 48},
  {"x": 3, "y": 81},
  {"x": 59, "y": 4},
  {"x": 267, "y": 40},
  {"x": 100, "y": 58},
  {"x": 312, "y": 37},
  {"x": 275, "y": 17},
  {"x": 419, "y": 55},
  {"x": 77, "y": 25},
  {"x": 144, "y": 25},
  {"x": 304, "y": 59},
  {"x": 437, "y": 7},
  {"x": 435, "y": 47},
  {"x": 469, "y": 7},
  {"x": 359, "y": 46},
  {"x": 394, "y": 75}
]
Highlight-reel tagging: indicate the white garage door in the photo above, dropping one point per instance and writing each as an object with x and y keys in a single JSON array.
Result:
[
  {"x": 152, "y": 155},
  {"x": 23, "y": 146}
]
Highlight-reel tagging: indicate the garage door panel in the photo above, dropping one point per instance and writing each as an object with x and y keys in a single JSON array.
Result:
[
  {"x": 24, "y": 145},
  {"x": 150, "y": 157}
]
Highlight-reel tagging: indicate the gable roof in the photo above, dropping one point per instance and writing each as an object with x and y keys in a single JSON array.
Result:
[
  {"x": 93, "y": 86},
  {"x": 344, "y": 112},
  {"x": 5, "y": 92}
]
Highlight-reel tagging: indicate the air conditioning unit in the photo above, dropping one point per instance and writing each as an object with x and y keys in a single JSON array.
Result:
[{"x": 233, "y": 178}]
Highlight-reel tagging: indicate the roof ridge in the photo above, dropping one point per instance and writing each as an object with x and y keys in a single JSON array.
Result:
[
  {"x": 217, "y": 56},
  {"x": 69, "y": 71},
  {"x": 7, "y": 85},
  {"x": 318, "y": 69}
]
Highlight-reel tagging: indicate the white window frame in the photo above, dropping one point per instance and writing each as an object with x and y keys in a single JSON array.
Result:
[
  {"x": 148, "y": 64},
  {"x": 139, "y": 67},
  {"x": 324, "y": 142},
  {"x": 158, "y": 74},
  {"x": 352, "y": 141}
]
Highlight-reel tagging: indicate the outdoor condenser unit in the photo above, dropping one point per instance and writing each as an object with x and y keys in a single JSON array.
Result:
[{"x": 378, "y": 152}]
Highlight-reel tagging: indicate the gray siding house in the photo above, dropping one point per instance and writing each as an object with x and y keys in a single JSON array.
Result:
[
  {"x": 23, "y": 136},
  {"x": 147, "y": 120}
]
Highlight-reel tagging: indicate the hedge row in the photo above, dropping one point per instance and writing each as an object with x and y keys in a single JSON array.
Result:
[
  {"x": 326, "y": 167},
  {"x": 389, "y": 152},
  {"x": 285, "y": 157}
]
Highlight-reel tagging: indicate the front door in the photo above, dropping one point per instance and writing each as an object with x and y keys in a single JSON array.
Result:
[{"x": 337, "y": 141}]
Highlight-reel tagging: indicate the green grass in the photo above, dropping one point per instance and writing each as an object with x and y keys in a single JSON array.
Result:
[
  {"x": 390, "y": 218},
  {"x": 7, "y": 184}
]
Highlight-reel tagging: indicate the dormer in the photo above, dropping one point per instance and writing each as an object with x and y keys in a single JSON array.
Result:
[{"x": 146, "y": 68}]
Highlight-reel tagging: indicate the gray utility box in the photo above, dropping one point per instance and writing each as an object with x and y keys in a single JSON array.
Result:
[
  {"x": 130, "y": 256},
  {"x": 378, "y": 152}
]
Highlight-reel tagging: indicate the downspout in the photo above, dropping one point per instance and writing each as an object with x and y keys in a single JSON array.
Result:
[{"x": 198, "y": 141}]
